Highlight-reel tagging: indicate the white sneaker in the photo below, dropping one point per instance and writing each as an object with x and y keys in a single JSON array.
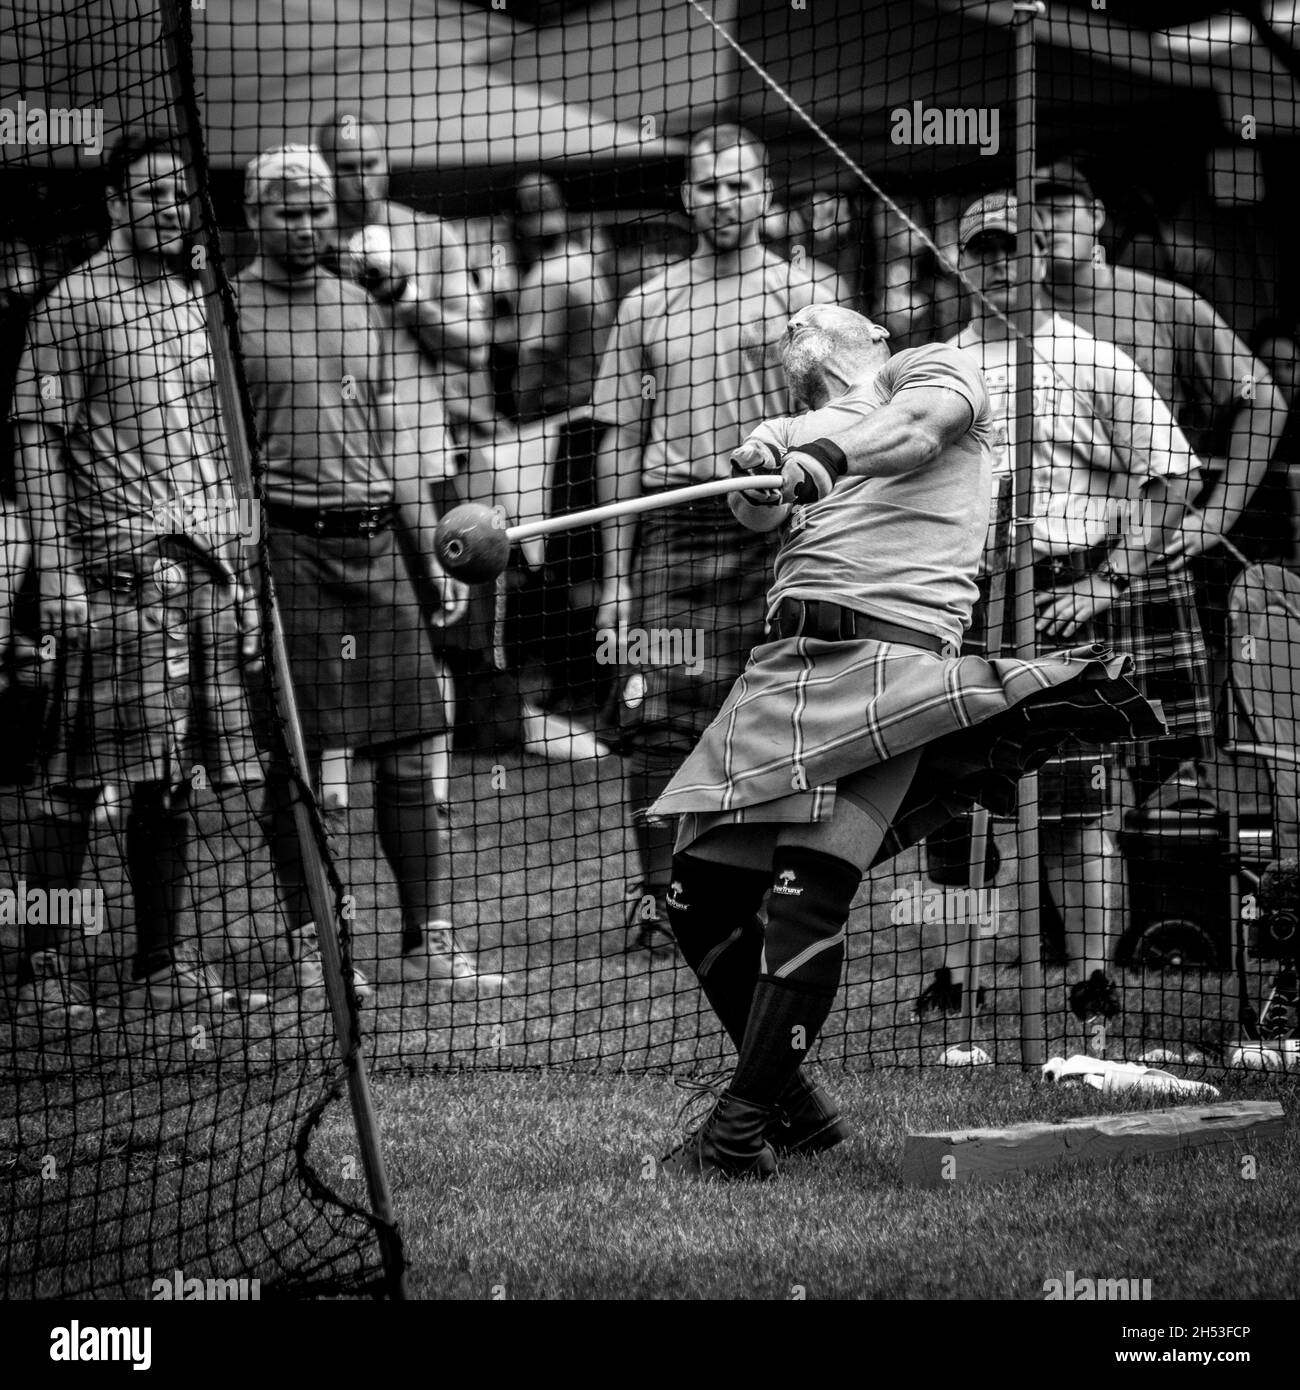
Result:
[
  {"x": 554, "y": 738},
  {"x": 51, "y": 1000},
  {"x": 309, "y": 970},
  {"x": 438, "y": 961},
  {"x": 190, "y": 980}
]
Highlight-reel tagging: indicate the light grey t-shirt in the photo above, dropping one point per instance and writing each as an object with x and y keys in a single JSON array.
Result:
[
  {"x": 904, "y": 549},
  {"x": 694, "y": 364}
]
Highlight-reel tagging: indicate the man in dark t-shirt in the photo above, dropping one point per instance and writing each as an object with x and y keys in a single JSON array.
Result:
[{"x": 349, "y": 532}]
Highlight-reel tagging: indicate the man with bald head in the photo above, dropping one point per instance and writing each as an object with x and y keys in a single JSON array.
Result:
[
  {"x": 855, "y": 729},
  {"x": 417, "y": 266}
]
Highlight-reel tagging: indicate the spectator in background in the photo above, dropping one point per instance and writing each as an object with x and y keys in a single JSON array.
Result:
[
  {"x": 693, "y": 365},
  {"x": 417, "y": 267},
  {"x": 1106, "y": 453},
  {"x": 21, "y": 281},
  {"x": 350, "y": 540},
  {"x": 20, "y": 284},
  {"x": 906, "y": 280},
  {"x": 1219, "y": 393},
  {"x": 565, "y": 308},
  {"x": 1268, "y": 529},
  {"x": 819, "y": 236},
  {"x": 564, "y": 312},
  {"x": 422, "y": 269},
  {"x": 117, "y": 428},
  {"x": 836, "y": 245}
]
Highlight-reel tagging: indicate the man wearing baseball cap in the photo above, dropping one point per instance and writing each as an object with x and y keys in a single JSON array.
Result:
[
  {"x": 1219, "y": 392},
  {"x": 1111, "y": 470},
  {"x": 348, "y": 538}
]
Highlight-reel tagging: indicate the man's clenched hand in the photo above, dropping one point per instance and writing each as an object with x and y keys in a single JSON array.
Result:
[{"x": 755, "y": 458}]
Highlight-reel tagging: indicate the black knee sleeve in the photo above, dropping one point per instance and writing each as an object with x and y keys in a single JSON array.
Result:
[
  {"x": 807, "y": 913},
  {"x": 713, "y": 911},
  {"x": 710, "y": 907}
]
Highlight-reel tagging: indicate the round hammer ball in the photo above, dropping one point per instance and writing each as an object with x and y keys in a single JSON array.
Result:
[{"x": 471, "y": 543}]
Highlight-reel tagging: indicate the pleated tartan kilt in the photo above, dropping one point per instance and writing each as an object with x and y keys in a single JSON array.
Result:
[
  {"x": 807, "y": 713},
  {"x": 359, "y": 641},
  {"x": 154, "y": 689},
  {"x": 1156, "y": 623}
]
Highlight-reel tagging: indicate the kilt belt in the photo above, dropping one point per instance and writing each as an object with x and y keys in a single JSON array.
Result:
[
  {"x": 1051, "y": 571},
  {"x": 832, "y": 622},
  {"x": 351, "y": 523}
]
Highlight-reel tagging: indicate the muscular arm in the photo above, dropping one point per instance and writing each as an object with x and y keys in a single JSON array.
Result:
[
  {"x": 544, "y": 313},
  {"x": 446, "y": 312},
  {"x": 1227, "y": 376},
  {"x": 905, "y": 434},
  {"x": 620, "y": 401},
  {"x": 395, "y": 444},
  {"x": 414, "y": 504},
  {"x": 1152, "y": 450},
  {"x": 911, "y": 431},
  {"x": 42, "y": 487},
  {"x": 1256, "y": 429},
  {"x": 618, "y": 478}
]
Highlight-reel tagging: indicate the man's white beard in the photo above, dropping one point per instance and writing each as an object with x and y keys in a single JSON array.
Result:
[{"x": 805, "y": 369}]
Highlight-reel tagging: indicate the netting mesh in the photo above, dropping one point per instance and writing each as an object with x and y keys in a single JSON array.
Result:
[{"x": 456, "y": 253}]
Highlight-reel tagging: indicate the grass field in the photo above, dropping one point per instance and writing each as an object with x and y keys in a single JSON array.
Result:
[
  {"x": 539, "y": 876},
  {"x": 531, "y": 1186},
  {"x": 171, "y": 1153}
]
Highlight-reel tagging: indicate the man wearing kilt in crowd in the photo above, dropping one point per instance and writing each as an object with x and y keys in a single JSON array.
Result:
[
  {"x": 350, "y": 528},
  {"x": 123, "y": 479},
  {"x": 417, "y": 268},
  {"x": 690, "y": 367},
  {"x": 1220, "y": 394},
  {"x": 856, "y": 729},
  {"x": 1100, "y": 434}
]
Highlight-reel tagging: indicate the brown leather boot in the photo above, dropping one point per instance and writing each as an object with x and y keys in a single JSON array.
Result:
[
  {"x": 729, "y": 1144},
  {"x": 806, "y": 1120}
]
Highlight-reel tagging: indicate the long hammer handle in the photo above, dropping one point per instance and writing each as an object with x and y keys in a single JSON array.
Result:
[{"x": 648, "y": 502}]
